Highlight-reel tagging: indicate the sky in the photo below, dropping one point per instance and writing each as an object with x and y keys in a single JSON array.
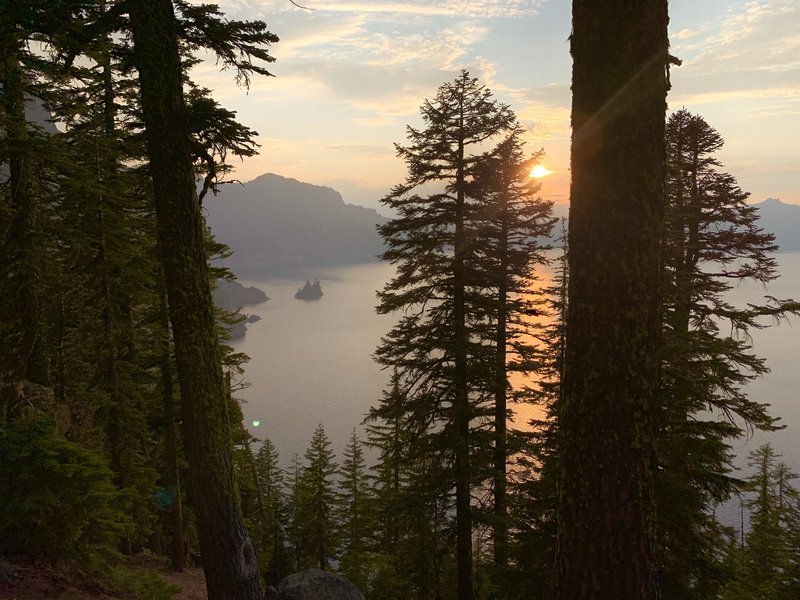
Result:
[{"x": 351, "y": 75}]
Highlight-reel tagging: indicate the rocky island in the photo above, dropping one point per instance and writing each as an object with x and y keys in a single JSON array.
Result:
[{"x": 310, "y": 291}]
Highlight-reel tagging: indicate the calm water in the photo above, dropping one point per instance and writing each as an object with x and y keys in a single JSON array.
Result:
[{"x": 311, "y": 362}]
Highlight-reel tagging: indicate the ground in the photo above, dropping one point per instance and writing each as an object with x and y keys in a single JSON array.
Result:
[{"x": 145, "y": 578}]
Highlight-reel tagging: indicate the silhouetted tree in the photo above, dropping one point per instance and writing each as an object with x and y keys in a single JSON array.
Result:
[
  {"x": 429, "y": 243},
  {"x": 512, "y": 226},
  {"x": 712, "y": 243},
  {"x": 356, "y": 521},
  {"x": 606, "y": 436}
]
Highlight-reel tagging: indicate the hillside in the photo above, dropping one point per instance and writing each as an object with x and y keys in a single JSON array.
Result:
[
  {"x": 274, "y": 224},
  {"x": 783, "y": 220}
]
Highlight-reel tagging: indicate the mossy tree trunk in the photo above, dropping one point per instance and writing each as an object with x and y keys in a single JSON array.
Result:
[
  {"x": 606, "y": 441},
  {"x": 23, "y": 352},
  {"x": 171, "y": 476},
  {"x": 228, "y": 556}
]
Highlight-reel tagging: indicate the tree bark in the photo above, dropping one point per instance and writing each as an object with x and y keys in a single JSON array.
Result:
[
  {"x": 172, "y": 475},
  {"x": 461, "y": 397},
  {"x": 501, "y": 401},
  {"x": 23, "y": 353},
  {"x": 228, "y": 555},
  {"x": 606, "y": 438}
]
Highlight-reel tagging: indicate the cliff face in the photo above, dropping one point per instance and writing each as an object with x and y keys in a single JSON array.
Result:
[{"x": 273, "y": 224}]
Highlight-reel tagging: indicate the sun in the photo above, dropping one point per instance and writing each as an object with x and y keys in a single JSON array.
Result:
[{"x": 540, "y": 171}]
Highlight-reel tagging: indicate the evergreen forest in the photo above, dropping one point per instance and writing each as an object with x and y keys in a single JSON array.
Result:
[{"x": 123, "y": 453}]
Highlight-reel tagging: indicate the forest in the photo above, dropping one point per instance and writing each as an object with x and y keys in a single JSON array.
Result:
[{"x": 122, "y": 442}]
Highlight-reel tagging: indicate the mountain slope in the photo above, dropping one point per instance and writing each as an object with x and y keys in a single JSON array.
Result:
[
  {"x": 783, "y": 220},
  {"x": 274, "y": 224}
]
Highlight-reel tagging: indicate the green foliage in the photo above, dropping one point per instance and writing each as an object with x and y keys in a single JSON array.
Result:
[
  {"x": 765, "y": 568},
  {"x": 464, "y": 243},
  {"x": 269, "y": 531},
  {"x": 57, "y": 499},
  {"x": 712, "y": 243},
  {"x": 141, "y": 584},
  {"x": 315, "y": 504},
  {"x": 82, "y": 237},
  {"x": 357, "y": 523}
]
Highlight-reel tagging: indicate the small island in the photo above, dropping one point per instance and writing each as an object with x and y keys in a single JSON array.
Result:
[{"x": 310, "y": 291}]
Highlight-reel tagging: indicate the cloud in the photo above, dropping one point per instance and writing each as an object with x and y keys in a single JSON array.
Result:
[
  {"x": 762, "y": 36},
  {"x": 684, "y": 34},
  {"x": 751, "y": 60},
  {"x": 361, "y": 147},
  {"x": 438, "y": 8}
]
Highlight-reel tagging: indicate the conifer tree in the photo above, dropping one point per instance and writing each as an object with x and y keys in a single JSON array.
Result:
[
  {"x": 713, "y": 242},
  {"x": 388, "y": 435},
  {"x": 270, "y": 531},
  {"x": 356, "y": 520},
  {"x": 294, "y": 497},
  {"x": 90, "y": 212},
  {"x": 606, "y": 435},
  {"x": 766, "y": 567},
  {"x": 316, "y": 504},
  {"x": 429, "y": 242},
  {"x": 532, "y": 488},
  {"x": 228, "y": 555},
  {"x": 24, "y": 357},
  {"x": 512, "y": 225}
]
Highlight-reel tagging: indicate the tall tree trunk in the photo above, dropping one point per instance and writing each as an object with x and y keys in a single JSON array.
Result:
[
  {"x": 106, "y": 167},
  {"x": 23, "y": 344},
  {"x": 172, "y": 477},
  {"x": 606, "y": 439},
  {"x": 461, "y": 397},
  {"x": 229, "y": 558},
  {"x": 500, "y": 400}
]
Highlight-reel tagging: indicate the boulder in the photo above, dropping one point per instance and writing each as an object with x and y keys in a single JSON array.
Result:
[
  {"x": 314, "y": 584},
  {"x": 271, "y": 594}
]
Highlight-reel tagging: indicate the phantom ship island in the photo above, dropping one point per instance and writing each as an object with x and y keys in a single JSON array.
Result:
[{"x": 310, "y": 291}]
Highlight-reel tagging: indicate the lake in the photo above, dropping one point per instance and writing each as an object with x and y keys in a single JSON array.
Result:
[{"x": 311, "y": 361}]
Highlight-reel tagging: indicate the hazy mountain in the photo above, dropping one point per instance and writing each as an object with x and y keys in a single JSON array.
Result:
[
  {"x": 783, "y": 220},
  {"x": 274, "y": 224}
]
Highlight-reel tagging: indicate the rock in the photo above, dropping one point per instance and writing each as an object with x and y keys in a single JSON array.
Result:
[
  {"x": 271, "y": 594},
  {"x": 314, "y": 584}
]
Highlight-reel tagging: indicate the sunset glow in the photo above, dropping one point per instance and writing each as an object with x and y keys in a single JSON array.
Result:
[{"x": 540, "y": 171}]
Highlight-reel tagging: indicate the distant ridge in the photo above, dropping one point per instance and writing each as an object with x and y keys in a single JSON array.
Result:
[
  {"x": 783, "y": 220},
  {"x": 274, "y": 224}
]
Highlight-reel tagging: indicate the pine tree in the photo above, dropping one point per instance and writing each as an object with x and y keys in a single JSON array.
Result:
[
  {"x": 512, "y": 225},
  {"x": 228, "y": 555},
  {"x": 295, "y": 500},
  {"x": 356, "y": 519},
  {"x": 317, "y": 504},
  {"x": 533, "y": 485},
  {"x": 713, "y": 242},
  {"x": 429, "y": 242},
  {"x": 766, "y": 565},
  {"x": 24, "y": 362},
  {"x": 270, "y": 532},
  {"x": 606, "y": 430},
  {"x": 388, "y": 435},
  {"x": 98, "y": 324}
]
